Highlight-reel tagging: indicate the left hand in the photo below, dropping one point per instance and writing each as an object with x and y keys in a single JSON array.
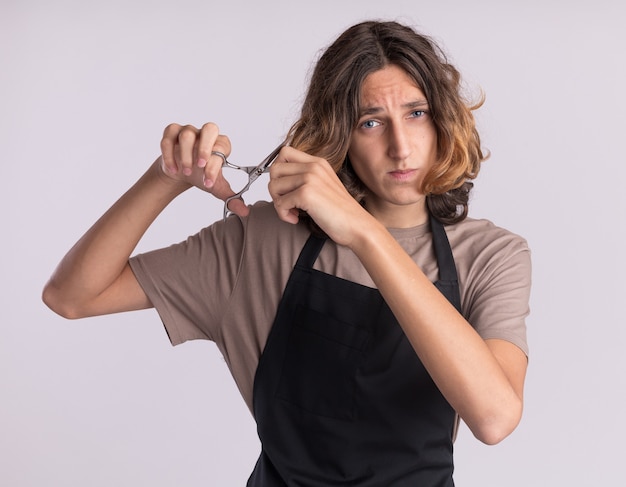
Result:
[{"x": 299, "y": 181}]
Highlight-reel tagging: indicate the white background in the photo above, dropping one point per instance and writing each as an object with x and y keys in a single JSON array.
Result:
[{"x": 85, "y": 91}]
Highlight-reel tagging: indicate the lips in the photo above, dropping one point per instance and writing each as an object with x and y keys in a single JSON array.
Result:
[{"x": 403, "y": 174}]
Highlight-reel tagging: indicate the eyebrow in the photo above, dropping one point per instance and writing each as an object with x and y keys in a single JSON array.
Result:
[{"x": 374, "y": 110}]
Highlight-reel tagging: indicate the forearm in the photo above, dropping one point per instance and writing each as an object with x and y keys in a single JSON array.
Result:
[
  {"x": 460, "y": 362},
  {"x": 98, "y": 259}
]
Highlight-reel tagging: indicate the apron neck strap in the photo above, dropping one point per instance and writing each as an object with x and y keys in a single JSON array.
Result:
[
  {"x": 445, "y": 259},
  {"x": 310, "y": 252},
  {"x": 443, "y": 252}
]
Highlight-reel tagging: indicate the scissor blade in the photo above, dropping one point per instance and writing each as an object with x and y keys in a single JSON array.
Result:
[
  {"x": 253, "y": 174},
  {"x": 265, "y": 164},
  {"x": 269, "y": 160}
]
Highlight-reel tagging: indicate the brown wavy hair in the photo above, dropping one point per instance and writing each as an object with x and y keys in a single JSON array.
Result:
[{"x": 331, "y": 110}]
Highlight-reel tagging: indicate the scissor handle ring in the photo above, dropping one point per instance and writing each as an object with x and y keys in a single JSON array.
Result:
[{"x": 220, "y": 154}]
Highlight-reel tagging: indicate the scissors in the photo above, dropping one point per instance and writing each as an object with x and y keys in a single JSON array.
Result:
[{"x": 253, "y": 173}]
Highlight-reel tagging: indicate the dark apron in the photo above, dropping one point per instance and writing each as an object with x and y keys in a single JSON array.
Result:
[{"x": 340, "y": 396}]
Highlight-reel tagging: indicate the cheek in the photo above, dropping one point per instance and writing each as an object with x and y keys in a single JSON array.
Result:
[
  {"x": 359, "y": 166},
  {"x": 358, "y": 152},
  {"x": 431, "y": 140},
  {"x": 356, "y": 158}
]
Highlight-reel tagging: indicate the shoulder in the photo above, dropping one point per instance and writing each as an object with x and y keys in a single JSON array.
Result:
[
  {"x": 263, "y": 223},
  {"x": 268, "y": 242},
  {"x": 482, "y": 227},
  {"x": 479, "y": 238},
  {"x": 491, "y": 260},
  {"x": 261, "y": 227}
]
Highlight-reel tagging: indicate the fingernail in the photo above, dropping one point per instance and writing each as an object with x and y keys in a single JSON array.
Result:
[
  {"x": 187, "y": 171},
  {"x": 201, "y": 162},
  {"x": 208, "y": 183}
]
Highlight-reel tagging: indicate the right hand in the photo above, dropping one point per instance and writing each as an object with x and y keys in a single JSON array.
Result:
[{"x": 186, "y": 157}]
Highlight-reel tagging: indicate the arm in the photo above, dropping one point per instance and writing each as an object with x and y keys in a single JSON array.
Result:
[
  {"x": 482, "y": 379},
  {"x": 94, "y": 277}
]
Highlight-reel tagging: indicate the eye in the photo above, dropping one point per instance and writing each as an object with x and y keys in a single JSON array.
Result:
[
  {"x": 418, "y": 113},
  {"x": 368, "y": 124}
]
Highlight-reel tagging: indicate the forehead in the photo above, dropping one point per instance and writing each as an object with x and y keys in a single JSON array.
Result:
[{"x": 387, "y": 84}]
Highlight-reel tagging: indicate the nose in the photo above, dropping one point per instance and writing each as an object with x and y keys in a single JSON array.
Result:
[{"x": 399, "y": 147}]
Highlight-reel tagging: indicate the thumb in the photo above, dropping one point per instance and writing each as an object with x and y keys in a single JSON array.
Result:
[
  {"x": 223, "y": 191},
  {"x": 238, "y": 207}
]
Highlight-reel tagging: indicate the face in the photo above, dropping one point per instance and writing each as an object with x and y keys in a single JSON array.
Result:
[{"x": 393, "y": 146}]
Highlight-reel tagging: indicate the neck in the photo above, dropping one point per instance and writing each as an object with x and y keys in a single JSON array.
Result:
[{"x": 400, "y": 216}]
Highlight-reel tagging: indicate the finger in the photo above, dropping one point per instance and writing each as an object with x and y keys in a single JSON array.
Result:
[
  {"x": 285, "y": 183},
  {"x": 239, "y": 207},
  {"x": 168, "y": 143},
  {"x": 299, "y": 181},
  {"x": 285, "y": 194},
  {"x": 285, "y": 209},
  {"x": 187, "y": 138},
  {"x": 211, "y": 141},
  {"x": 213, "y": 170},
  {"x": 223, "y": 191},
  {"x": 292, "y": 161},
  {"x": 208, "y": 142},
  {"x": 291, "y": 215},
  {"x": 285, "y": 178}
]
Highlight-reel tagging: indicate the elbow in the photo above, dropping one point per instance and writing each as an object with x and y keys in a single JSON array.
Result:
[
  {"x": 53, "y": 299},
  {"x": 492, "y": 436},
  {"x": 495, "y": 429}
]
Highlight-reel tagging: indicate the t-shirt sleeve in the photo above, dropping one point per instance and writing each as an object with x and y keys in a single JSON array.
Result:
[
  {"x": 500, "y": 300},
  {"x": 190, "y": 283}
]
